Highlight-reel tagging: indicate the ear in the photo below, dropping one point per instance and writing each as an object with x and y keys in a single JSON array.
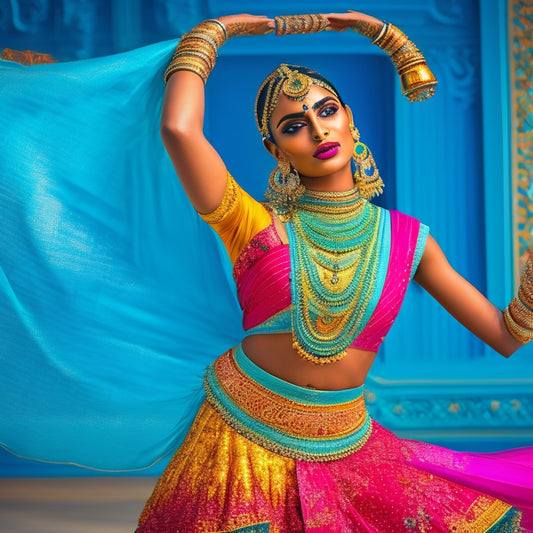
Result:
[
  {"x": 349, "y": 113},
  {"x": 354, "y": 131},
  {"x": 273, "y": 149}
]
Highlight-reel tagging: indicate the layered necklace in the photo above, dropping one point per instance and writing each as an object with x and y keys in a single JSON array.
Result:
[{"x": 335, "y": 252}]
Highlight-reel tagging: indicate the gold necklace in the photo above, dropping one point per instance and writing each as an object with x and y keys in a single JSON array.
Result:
[{"x": 335, "y": 254}]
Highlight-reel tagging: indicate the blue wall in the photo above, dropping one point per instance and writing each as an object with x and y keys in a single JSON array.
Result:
[{"x": 433, "y": 379}]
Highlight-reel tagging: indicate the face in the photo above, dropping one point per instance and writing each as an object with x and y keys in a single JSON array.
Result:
[{"x": 314, "y": 135}]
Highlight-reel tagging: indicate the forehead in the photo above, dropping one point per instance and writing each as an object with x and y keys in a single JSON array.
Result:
[{"x": 286, "y": 106}]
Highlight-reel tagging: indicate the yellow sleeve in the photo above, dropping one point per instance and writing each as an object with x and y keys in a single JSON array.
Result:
[{"x": 237, "y": 219}]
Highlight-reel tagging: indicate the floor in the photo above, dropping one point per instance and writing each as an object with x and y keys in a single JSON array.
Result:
[{"x": 72, "y": 505}]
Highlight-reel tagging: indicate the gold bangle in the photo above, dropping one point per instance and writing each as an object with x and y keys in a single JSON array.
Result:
[
  {"x": 221, "y": 26},
  {"x": 518, "y": 314},
  {"x": 417, "y": 80},
  {"x": 297, "y": 24},
  {"x": 520, "y": 333},
  {"x": 197, "y": 50}
]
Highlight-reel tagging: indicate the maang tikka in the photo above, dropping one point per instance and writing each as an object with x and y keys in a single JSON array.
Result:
[{"x": 366, "y": 174}]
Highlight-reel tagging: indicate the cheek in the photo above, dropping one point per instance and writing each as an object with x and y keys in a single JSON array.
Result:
[{"x": 296, "y": 146}]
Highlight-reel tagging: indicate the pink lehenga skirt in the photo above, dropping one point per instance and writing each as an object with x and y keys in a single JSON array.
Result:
[{"x": 264, "y": 455}]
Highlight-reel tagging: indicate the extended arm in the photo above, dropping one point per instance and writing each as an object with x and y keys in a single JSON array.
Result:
[
  {"x": 200, "y": 169},
  {"x": 464, "y": 301}
]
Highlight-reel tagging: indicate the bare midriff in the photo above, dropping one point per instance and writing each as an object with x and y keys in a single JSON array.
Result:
[{"x": 274, "y": 354}]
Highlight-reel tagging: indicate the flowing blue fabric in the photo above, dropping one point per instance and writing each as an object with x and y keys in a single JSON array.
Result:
[{"x": 114, "y": 295}]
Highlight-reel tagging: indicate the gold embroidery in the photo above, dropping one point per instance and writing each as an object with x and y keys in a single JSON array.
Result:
[
  {"x": 227, "y": 205},
  {"x": 484, "y": 513},
  {"x": 285, "y": 415}
]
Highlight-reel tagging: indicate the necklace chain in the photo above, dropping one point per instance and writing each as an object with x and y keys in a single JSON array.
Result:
[{"x": 334, "y": 259}]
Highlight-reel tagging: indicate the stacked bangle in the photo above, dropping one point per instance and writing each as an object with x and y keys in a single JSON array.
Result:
[
  {"x": 293, "y": 24},
  {"x": 197, "y": 50},
  {"x": 518, "y": 314},
  {"x": 417, "y": 80}
]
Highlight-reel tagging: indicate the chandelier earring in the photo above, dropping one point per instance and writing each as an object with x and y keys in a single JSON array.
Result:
[
  {"x": 366, "y": 174},
  {"x": 284, "y": 188}
]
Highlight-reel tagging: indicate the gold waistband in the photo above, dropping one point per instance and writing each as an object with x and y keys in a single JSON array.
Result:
[{"x": 304, "y": 417}]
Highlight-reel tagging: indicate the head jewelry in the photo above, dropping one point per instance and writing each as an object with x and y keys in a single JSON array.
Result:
[{"x": 295, "y": 82}]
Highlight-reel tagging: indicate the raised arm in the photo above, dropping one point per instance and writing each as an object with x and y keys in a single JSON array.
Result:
[
  {"x": 463, "y": 301},
  {"x": 199, "y": 167}
]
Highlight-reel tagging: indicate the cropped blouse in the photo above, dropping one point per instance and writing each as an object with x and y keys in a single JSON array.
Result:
[{"x": 262, "y": 266}]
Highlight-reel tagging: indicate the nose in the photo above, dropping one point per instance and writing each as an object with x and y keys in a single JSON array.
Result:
[
  {"x": 320, "y": 134},
  {"x": 318, "y": 129}
]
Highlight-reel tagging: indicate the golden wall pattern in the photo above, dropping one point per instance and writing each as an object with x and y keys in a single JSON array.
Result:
[{"x": 521, "y": 67}]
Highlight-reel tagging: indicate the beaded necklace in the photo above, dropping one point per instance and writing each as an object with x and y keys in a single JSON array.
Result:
[{"x": 335, "y": 252}]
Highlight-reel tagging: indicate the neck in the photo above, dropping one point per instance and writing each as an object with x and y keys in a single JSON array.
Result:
[{"x": 337, "y": 182}]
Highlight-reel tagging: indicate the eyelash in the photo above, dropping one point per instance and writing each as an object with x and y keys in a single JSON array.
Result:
[{"x": 295, "y": 127}]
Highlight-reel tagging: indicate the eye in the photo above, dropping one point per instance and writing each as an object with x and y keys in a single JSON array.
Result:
[
  {"x": 292, "y": 128},
  {"x": 328, "y": 110}
]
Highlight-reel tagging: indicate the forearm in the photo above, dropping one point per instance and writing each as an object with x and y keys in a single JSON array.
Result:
[
  {"x": 472, "y": 309},
  {"x": 518, "y": 315},
  {"x": 463, "y": 301},
  {"x": 483, "y": 319}
]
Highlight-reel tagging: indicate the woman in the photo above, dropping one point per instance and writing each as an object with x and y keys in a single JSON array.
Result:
[{"x": 283, "y": 442}]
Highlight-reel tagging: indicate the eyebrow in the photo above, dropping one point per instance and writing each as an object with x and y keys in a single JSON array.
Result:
[{"x": 315, "y": 106}]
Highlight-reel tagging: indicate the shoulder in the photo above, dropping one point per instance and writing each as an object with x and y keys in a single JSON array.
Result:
[
  {"x": 409, "y": 237},
  {"x": 404, "y": 224}
]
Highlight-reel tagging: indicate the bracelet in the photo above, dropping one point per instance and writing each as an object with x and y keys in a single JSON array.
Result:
[
  {"x": 417, "y": 80},
  {"x": 293, "y": 24},
  {"x": 197, "y": 50},
  {"x": 518, "y": 315}
]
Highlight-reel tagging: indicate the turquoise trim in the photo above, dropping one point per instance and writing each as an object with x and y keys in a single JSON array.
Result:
[
  {"x": 291, "y": 391},
  {"x": 381, "y": 273},
  {"x": 263, "y": 527},
  {"x": 508, "y": 523},
  {"x": 423, "y": 233},
  {"x": 279, "y": 323}
]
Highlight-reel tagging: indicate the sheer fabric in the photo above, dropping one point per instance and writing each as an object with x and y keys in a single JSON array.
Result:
[{"x": 105, "y": 268}]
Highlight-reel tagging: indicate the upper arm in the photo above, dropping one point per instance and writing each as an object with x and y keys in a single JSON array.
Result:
[
  {"x": 199, "y": 167},
  {"x": 462, "y": 300}
]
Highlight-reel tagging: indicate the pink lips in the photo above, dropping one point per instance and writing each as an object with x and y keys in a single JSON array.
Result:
[{"x": 327, "y": 150}]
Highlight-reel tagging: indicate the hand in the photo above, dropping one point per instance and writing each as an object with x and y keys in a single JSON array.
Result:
[
  {"x": 363, "y": 24},
  {"x": 237, "y": 25}
]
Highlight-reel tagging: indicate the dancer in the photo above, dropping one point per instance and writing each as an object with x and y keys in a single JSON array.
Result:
[{"x": 283, "y": 442}]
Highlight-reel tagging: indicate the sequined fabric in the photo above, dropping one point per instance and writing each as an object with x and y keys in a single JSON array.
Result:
[
  {"x": 377, "y": 489},
  {"x": 261, "y": 243},
  {"x": 221, "y": 481}
]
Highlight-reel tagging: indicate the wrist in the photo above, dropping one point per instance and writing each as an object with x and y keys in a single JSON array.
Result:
[
  {"x": 197, "y": 50},
  {"x": 293, "y": 24},
  {"x": 518, "y": 315}
]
